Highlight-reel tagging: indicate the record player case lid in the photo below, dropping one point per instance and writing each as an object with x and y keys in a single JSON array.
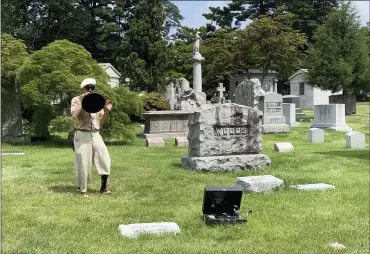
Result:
[{"x": 218, "y": 200}]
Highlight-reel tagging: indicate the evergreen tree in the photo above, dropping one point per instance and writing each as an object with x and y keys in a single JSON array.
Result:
[{"x": 339, "y": 59}]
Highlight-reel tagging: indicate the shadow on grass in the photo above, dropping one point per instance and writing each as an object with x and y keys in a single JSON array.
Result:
[
  {"x": 69, "y": 189},
  {"x": 177, "y": 165},
  {"x": 359, "y": 154}
]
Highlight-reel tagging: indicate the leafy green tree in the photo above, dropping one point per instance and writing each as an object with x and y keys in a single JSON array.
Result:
[
  {"x": 154, "y": 101},
  {"x": 272, "y": 44},
  {"x": 308, "y": 14},
  {"x": 145, "y": 53},
  {"x": 339, "y": 59},
  {"x": 53, "y": 74},
  {"x": 13, "y": 55}
]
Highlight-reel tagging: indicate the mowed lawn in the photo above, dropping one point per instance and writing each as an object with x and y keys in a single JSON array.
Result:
[{"x": 42, "y": 213}]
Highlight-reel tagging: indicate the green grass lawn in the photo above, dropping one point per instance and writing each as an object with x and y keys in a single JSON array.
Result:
[{"x": 42, "y": 213}]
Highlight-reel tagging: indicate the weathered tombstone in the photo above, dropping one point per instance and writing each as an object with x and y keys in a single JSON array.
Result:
[
  {"x": 283, "y": 147},
  {"x": 289, "y": 114},
  {"x": 166, "y": 124},
  {"x": 183, "y": 84},
  {"x": 170, "y": 95},
  {"x": 297, "y": 101},
  {"x": 154, "y": 142},
  {"x": 250, "y": 93},
  {"x": 225, "y": 137},
  {"x": 181, "y": 141},
  {"x": 355, "y": 139},
  {"x": 313, "y": 186},
  {"x": 260, "y": 184},
  {"x": 273, "y": 118},
  {"x": 159, "y": 228},
  {"x": 316, "y": 135},
  {"x": 330, "y": 116}
]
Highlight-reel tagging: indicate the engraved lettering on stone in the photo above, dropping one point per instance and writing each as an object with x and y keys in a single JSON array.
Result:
[
  {"x": 275, "y": 120},
  {"x": 231, "y": 131}
]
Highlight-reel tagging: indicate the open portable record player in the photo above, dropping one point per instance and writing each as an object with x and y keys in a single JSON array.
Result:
[{"x": 221, "y": 205}]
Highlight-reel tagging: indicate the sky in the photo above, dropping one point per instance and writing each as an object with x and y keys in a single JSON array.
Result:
[{"x": 193, "y": 10}]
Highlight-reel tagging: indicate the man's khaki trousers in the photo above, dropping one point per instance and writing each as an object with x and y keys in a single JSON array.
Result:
[{"x": 90, "y": 150}]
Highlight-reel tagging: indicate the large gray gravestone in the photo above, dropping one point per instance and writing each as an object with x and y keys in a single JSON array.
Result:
[
  {"x": 225, "y": 137},
  {"x": 250, "y": 93},
  {"x": 273, "y": 118}
]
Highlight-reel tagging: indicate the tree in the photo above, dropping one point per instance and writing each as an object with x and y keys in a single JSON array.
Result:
[
  {"x": 144, "y": 57},
  {"x": 13, "y": 55},
  {"x": 53, "y": 74},
  {"x": 339, "y": 59},
  {"x": 272, "y": 44},
  {"x": 308, "y": 14}
]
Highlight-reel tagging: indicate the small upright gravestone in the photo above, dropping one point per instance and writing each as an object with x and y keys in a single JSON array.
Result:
[
  {"x": 289, "y": 114},
  {"x": 225, "y": 137},
  {"x": 316, "y": 135},
  {"x": 355, "y": 139},
  {"x": 273, "y": 118}
]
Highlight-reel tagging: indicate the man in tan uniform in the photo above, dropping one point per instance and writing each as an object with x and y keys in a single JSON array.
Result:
[{"x": 89, "y": 146}]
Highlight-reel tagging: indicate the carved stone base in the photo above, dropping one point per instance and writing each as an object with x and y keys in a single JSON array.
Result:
[{"x": 226, "y": 163}]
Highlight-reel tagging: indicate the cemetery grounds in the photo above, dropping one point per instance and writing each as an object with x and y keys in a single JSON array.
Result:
[{"x": 42, "y": 212}]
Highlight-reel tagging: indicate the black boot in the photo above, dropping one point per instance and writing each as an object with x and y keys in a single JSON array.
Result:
[{"x": 104, "y": 188}]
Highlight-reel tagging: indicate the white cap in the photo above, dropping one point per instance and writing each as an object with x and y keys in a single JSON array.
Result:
[{"x": 88, "y": 81}]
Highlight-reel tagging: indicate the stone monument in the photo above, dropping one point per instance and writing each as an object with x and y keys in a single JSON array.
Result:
[
  {"x": 197, "y": 67},
  {"x": 273, "y": 118},
  {"x": 169, "y": 95},
  {"x": 250, "y": 93},
  {"x": 225, "y": 137},
  {"x": 330, "y": 116},
  {"x": 297, "y": 101}
]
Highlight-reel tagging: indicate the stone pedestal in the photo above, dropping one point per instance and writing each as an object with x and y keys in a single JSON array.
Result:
[
  {"x": 225, "y": 137},
  {"x": 330, "y": 116}
]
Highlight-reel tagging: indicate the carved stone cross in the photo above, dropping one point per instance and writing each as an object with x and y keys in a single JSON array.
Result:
[{"x": 221, "y": 90}]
